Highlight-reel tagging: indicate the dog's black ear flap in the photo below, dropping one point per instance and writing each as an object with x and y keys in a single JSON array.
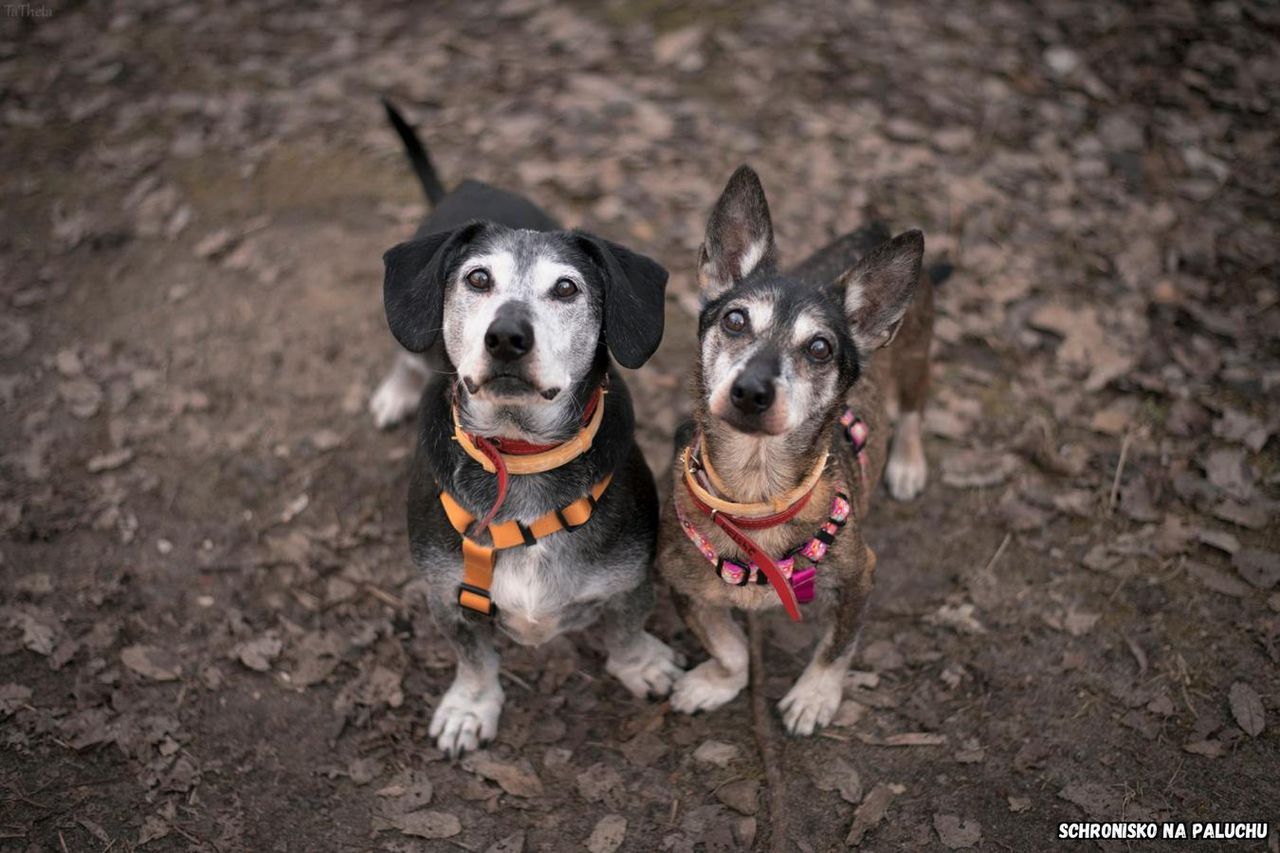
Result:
[
  {"x": 414, "y": 283},
  {"x": 879, "y": 288},
  {"x": 633, "y": 300},
  {"x": 739, "y": 236}
]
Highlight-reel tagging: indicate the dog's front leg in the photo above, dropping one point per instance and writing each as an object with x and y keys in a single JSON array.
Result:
[
  {"x": 644, "y": 664},
  {"x": 467, "y": 716},
  {"x": 812, "y": 701},
  {"x": 716, "y": 681}
]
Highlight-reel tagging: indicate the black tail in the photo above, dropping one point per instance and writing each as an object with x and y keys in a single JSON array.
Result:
[
  {"x": 417, "y": 154},
  {"x": 940, "y": 272}
]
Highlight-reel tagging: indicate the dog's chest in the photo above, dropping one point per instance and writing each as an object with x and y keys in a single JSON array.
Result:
[{"x": 543, "y": 590}]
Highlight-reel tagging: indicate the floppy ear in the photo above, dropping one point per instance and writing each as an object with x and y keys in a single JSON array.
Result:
[
  {"x": 879, "y": 288},
  {"x": 739, "y": 236},
  {"x": 414, "y": 282},
  {"x": 633, "y": 305}
]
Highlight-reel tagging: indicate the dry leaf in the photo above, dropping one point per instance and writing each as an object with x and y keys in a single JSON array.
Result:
[
  {"x": 905, "y": 739},
  {"x": 257, "y": 654},
  {"x": 153, "y": 662},
  {"x": 1246, "y": 707},
  {"x": 715, "y": 752},
  {"x": 610, "y": 832},
  {"x": 838, "y": 775},
  {"x": 957, "y": 834},
  {"x": 517, "y": 779},
  {"x": 871, "y": 812},
  {"x": 743, "y": 796},
  {"x": 422, "y": 824}
]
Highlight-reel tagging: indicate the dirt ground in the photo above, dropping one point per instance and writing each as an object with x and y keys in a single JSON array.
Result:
[{"x": 210, "y": 633}]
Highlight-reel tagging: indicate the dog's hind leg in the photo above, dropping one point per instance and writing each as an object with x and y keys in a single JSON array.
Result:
[
  {"x": 467, "y": 716},
  {"x": 716, "y": 681},
  {"x": 397, "y": 396},
  {"x": 644, "y": 664},
  {"x": 907, "y": 470},
  {"x": 812, "y": 701}
]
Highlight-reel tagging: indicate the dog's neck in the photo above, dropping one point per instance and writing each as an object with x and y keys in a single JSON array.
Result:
[{"x": 758, "y": 467}]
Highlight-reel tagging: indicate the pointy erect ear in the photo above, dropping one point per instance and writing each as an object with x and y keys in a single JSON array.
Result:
[
  {"x": 879, "y": 288},
  {"x": 414, "y": 284},
  {"x": 633, "y": 299},
  {"x": 739, "y": 236}
]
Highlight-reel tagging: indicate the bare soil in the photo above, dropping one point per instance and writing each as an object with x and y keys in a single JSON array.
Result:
[{"x": 210, "y": 634}]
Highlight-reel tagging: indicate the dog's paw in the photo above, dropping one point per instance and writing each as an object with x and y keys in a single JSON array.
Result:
[
  {"x": 812, "y": 701},
  {"x": 650, "y": 670},
  {"x": 465, "y": 720},
  {"x": 395, "y": 399},
  {"x": 907, "y": 470},
  {"x": 706, "y": 687}
]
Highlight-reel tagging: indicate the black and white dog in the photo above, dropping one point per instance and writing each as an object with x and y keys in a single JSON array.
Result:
[{"x": 527, "y": 315}]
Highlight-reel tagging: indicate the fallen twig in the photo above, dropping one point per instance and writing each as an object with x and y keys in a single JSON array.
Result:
[
  {"x": 761, "y": 724},
  {"x": 1115, "y": 484}
]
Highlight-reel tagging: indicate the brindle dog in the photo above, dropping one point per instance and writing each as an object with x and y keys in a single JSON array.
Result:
[{"x": 781, "y": 355}]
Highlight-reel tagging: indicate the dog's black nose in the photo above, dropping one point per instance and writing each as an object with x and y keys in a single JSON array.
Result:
[
  {"x": 752, "y": 393},
  {"x": 509, "y": 338}
]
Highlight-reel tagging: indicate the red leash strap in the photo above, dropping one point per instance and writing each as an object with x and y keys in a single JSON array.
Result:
[
  {"x": 764, "y": 561},
  {"x": 487, "y": 448}
]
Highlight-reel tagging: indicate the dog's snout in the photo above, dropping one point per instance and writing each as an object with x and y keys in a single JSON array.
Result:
[
  {"x": 509, "y": 338},
  {"x": 752, "y": 393}
]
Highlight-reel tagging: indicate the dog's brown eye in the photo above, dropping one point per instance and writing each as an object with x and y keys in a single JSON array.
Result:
[
  {"x": 479, "y": 279},
  {"x": 734, "y": 322},
  {"x": 819, "y": 349},
  {"x": 564, "y": 289}
]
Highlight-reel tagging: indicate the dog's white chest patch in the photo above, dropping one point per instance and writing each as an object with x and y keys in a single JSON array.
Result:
[
  {"x": 546, "y": 589},
  {"x": 529, "y": 601}
]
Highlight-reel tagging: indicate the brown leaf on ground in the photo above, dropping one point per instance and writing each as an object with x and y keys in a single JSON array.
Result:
[
  {"x": 609, "y": 833},
  {"x": 1096, "y": 799},
  {"x": 513, "y": 843},
  {"x": 1207, "y": 748},
  {"x": 1217, "y": 581},
  {"x": 905, "y": 739},
  {"x": 597, "y": 781},
  {"x": 975, "y": 469},
  {"x": 516, "y": 778},
  {"x": 1246, "y": 708},
  {"x": 1258, "y": 567},
  {"x": 838, "y": 775},
  {"x": 715, "y": 752},
  {"x": 957, "y": 834},
  {"x": 153, "y": 829},
  {"x": 1229, "y": 470},
  {"x": 743, "y": 796},
  {"x": 421, "y": 824},
  {"x": 872, "y": 810},
  {"x": 153, "y": 662},
  {"x": 258, "y": 653}
]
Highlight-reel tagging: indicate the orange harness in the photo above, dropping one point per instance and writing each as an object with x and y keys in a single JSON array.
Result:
[{"x": 478, "y": 560}]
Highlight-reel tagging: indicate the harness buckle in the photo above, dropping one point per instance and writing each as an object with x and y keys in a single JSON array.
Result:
[{"x": 465, "y": 587}]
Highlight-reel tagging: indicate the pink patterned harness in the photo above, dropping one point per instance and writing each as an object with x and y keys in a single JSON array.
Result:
[{"x": 737, "y": 573}]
